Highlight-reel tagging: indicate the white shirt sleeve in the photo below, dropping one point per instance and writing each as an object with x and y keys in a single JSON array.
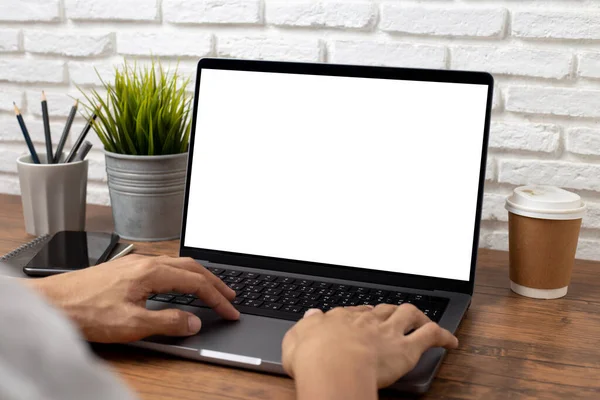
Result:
[{"x": 42, "y": 356}]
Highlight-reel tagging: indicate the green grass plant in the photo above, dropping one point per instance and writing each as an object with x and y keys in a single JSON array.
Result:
[{"x": 145, "y": 112}]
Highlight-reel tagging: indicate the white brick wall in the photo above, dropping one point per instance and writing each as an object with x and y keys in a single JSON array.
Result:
[
  {"x": 443, "y": 20},
  {"x": 389, "y": 54},
  {"x": 67, "y": 44},
  {"x": 331, "y": 14},
  {"x": 213, "y": 11},
  {"x": 545, "y": 57},
  {"x": 110, "y": 10}
]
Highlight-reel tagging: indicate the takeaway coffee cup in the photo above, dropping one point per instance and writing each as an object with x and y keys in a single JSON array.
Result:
[{"x": 543, "y": 225}]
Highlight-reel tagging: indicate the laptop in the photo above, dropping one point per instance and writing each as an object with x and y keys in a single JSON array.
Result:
[{"x": 318, "y": 186}]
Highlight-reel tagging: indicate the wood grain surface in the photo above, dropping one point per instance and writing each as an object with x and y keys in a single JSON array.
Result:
[{"x": 511, "y": 347}]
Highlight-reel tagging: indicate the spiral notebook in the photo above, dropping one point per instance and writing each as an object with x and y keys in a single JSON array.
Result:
[{"x": 11, "y": 264}]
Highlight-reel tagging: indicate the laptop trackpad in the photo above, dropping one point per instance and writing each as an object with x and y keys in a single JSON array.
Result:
[{"x": 251, "y": 336}]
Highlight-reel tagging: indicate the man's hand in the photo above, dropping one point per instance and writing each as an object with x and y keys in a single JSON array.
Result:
[
  {"x": 108, "y": 301},
  {"x": 350, "y": 352}
]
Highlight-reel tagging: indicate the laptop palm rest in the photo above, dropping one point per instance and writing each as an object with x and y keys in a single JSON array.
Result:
[{"x": 252, "y": 342}]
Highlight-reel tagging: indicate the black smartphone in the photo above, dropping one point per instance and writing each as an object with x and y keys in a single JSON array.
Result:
[{"x": 70, "y": 251}]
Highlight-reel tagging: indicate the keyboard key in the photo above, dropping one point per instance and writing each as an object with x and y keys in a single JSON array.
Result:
[
  {"x": 308, "y": 303},
  {"x": 325, "y": 292},
  {"x": 379, "y": 292},
  {"x": 285, "y": 279},
  {"x": 394, "y": 300},
  {"x": 274, "y": 292},
  {"x": 238, "y": 300},
  {"x": 420, "y": 304},
  {"x": 215, "y": 271},
  {"x": 272, "y": 306},
  {"x": 251, "y": 275},
  {"x": 306, "y": 289},
  {"x": 322, "y": 285},
  {"x": 249, "y": 295},
  {"x": 349, "y": 302},
  {"x": 304, "y": 282},
  {"x": 163, "y": 297},
  {"x": 294, "y": 309},
  {"x": 268, "y": 278},
  {"x": 233, "y": 279},
  {"x": 289, "y": 300},
  {"x": 253, "y": 303},
  {"x": 340, "y": 288},
  {"x": 289, "y": 287},
  {"x": 182, "y": 300},
  {"x": 270, "y": 284},
  {"x": 345, "y": 295},
  {"x": 193, "y": 296},
  {"x": 237, "y": 286},
  {"x": 253, "y": 282},
  {"x": 313, "y": 297},
  {"x": 362, "y": 290},
  {"x": 291, "y": 294},
  {"x": 232, "y": 273},
  {"x": 254, "y": 289},
  {"x": 270, "y": 298}
]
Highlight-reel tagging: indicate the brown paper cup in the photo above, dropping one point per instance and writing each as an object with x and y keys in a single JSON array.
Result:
[
  {"x": 543, "y": 230},
  {"x": 542, "y": 254}
]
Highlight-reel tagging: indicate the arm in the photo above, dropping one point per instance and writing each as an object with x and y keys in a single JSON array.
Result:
[
  {"x": 42, "y": 356},
  {"x": 107, "y": 302},
  {"x": 347, "y": 376}
]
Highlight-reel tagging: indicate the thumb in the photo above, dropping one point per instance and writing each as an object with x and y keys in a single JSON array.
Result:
[{"x": 169, "y": 322}]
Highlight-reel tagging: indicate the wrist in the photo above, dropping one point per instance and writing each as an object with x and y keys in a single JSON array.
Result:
[
  {"x": 43, "y": 289},
  {"x": 327, "y": 373}
]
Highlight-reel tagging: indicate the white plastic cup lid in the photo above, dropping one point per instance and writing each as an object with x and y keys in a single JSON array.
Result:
[{"x": 545, "y": 202}]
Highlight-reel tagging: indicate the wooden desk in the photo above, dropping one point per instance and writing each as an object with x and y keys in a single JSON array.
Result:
[{"x": 510, "y": 346}]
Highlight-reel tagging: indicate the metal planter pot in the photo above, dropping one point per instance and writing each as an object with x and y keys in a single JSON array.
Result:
[{"x": 146, "y": 194}]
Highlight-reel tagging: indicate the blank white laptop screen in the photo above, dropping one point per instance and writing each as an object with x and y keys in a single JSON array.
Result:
[{"x": 370, "y": 173}]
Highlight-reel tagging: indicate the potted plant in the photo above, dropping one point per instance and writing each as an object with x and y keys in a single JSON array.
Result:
[{"x": 143, "y": 122}]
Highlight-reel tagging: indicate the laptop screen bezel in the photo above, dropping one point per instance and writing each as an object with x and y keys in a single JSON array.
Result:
[{"x": 329, "y": 270}]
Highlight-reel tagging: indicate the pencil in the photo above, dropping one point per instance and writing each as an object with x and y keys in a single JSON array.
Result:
[
  {"x": 80, "y": 139},
  {"x": 49, "y": 158},
  {"x": 83, "y": 150},
  {"x": 34, "y": 155},
  {"x": 65, "y": 133}
]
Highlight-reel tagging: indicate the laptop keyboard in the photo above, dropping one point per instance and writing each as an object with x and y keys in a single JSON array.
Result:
[{"x": 288, "y": 298}]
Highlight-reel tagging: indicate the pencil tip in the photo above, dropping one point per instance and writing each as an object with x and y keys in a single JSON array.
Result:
[
  {"x": 76, "y": 102},
  {"x": 16, "y": 108},
  {"x": 43, "y": 96}
]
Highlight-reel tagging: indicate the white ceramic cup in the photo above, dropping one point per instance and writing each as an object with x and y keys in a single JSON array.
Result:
[
  {"x": 53, "y": 195},
  {"x": 544, "y": 224}
]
